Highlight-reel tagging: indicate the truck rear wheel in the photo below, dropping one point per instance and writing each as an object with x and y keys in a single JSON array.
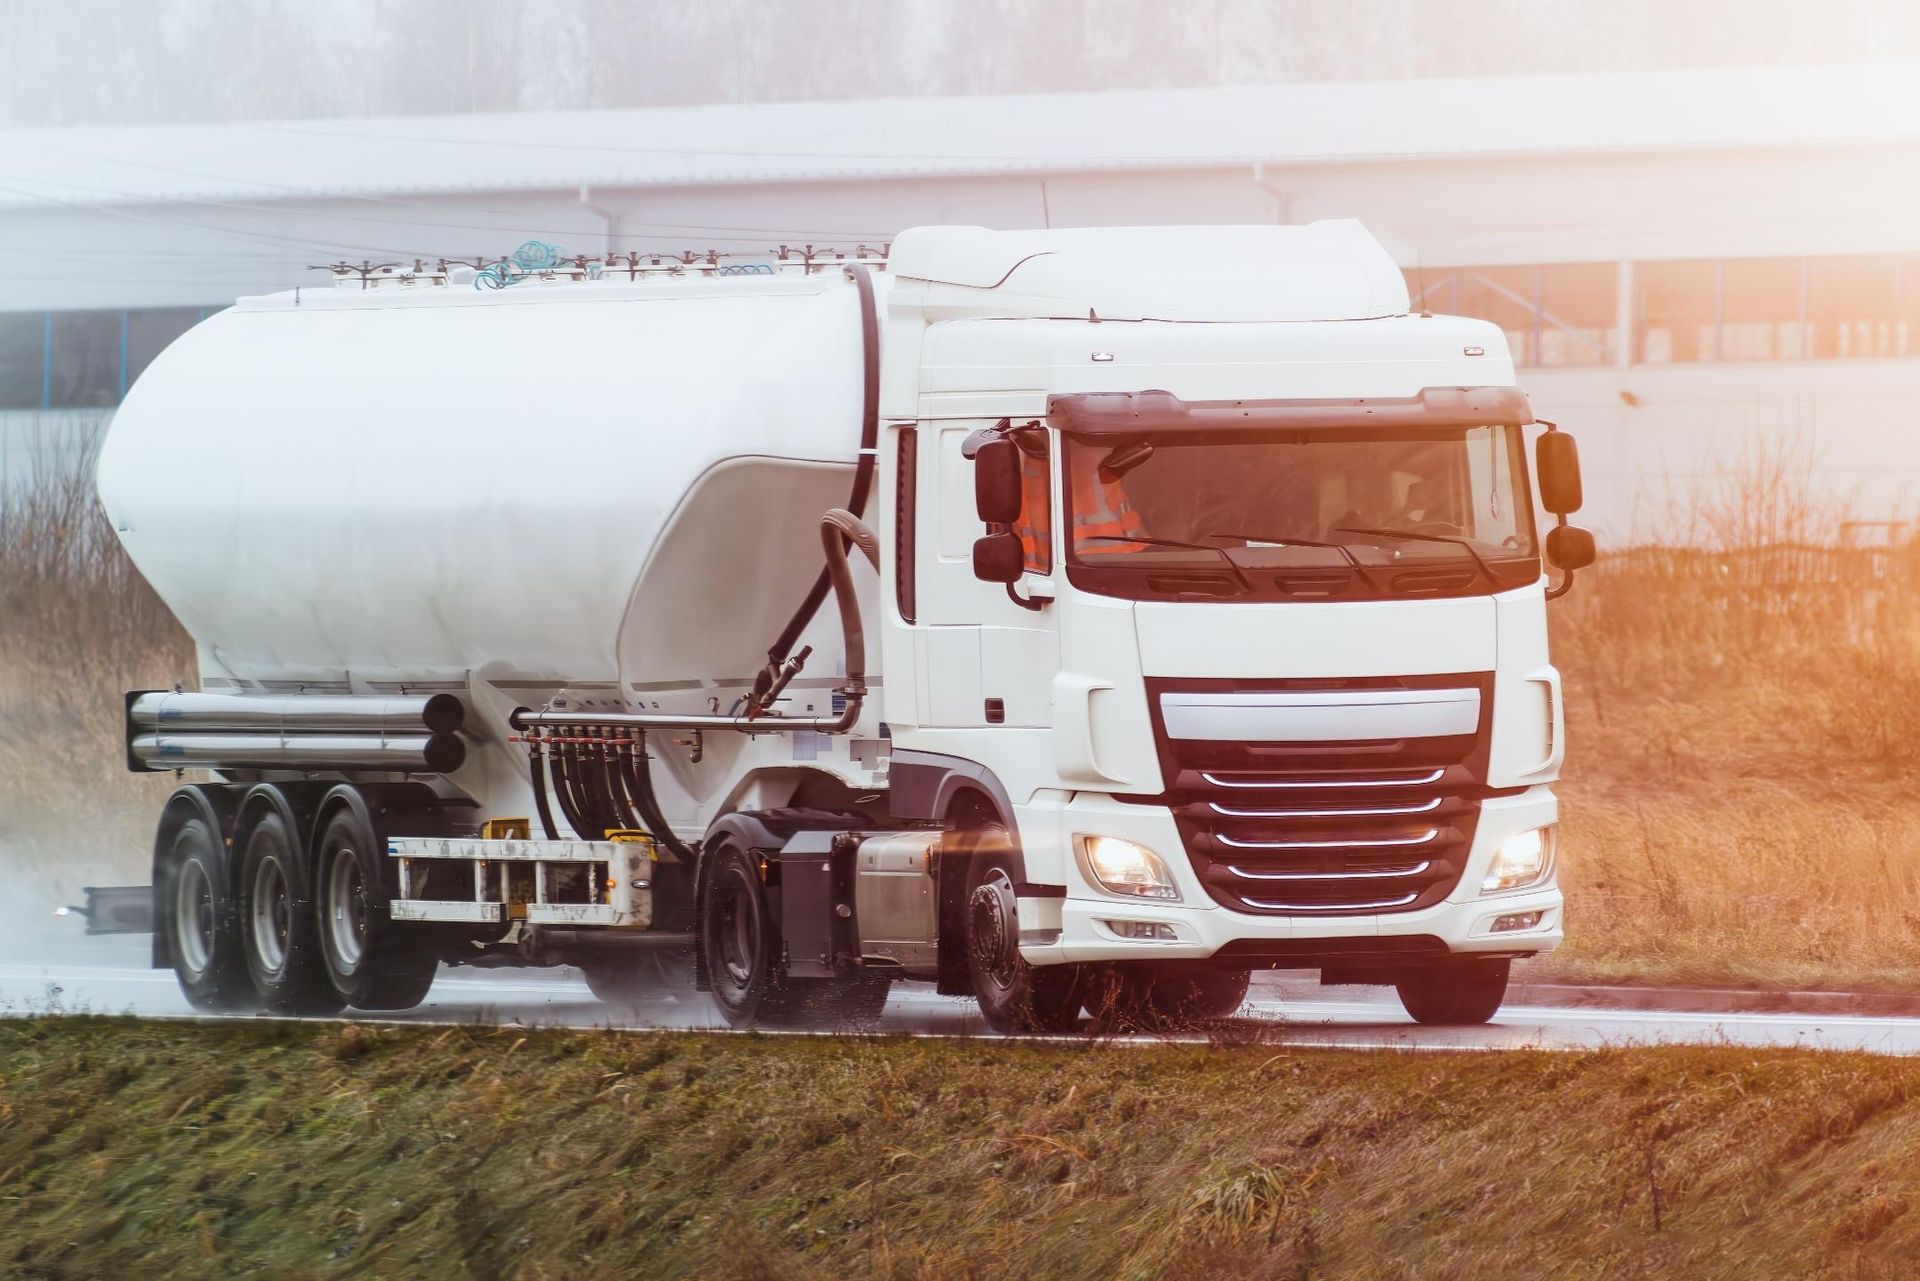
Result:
[
  {"x": 369, "y": 963},
  {"x": 1459, "y": 992},
  {"x": 1014, "y": 996},
  {"x": 736, "y": 934},
  {"x": 198, "y": 914},
  {"x": 278, "y": 926}
]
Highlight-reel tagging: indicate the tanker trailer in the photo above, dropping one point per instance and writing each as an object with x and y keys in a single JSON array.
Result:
[{"x": 1071, "y": 619}]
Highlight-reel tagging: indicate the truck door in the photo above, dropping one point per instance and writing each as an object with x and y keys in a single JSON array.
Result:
[{"x": 982, "y": 659}]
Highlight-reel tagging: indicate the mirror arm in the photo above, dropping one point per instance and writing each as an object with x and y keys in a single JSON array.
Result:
[
  {"x": 1566, "y": 581},
  {"x": 971, "y": 445},
  {"x": 1025, "y": 602}
]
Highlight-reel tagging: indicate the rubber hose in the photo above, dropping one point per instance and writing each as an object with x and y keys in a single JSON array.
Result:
[
  {"x": 536, "y": 766},
  {"x": 863, "y": 469}
]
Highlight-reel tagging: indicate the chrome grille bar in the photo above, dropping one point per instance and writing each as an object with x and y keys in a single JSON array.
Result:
[
  {"x": 1377, "y": 874},
  {"x": 1318, "y": 783},
  {"x": 1379, "y": 906},
  {"x": 1378, "y": 843},
  {"x": 1372, "y": 812}
]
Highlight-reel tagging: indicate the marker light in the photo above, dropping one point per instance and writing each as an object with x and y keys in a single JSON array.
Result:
[
  {"x": 1123, "y": 867},
  {"x": 1523, "y": 860}
]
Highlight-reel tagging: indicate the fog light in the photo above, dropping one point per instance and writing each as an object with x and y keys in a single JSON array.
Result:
[
  {"x": 1515, "y": 921},
  {"x": 1125, "y": 867},
  {"x": 1523, "y": 860},
  {"x": 1148, "y": 930}
]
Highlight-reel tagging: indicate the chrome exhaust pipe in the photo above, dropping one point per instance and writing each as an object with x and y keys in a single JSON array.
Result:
[
  {"x": 412, "y": 754},
  {"x": 306, "y": 732},
  {"x": 194, "y": 713}
]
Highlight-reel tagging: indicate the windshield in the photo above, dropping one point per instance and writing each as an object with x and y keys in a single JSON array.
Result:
[{"x": 1343, "y": 513}]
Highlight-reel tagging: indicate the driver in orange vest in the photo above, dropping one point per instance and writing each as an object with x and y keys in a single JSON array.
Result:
[
  {"x": 1103, "y": 516},
  {"x": 1100, "y": 507}
]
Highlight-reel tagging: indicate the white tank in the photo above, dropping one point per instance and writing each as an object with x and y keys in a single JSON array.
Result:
[{"x": 543, "y": 483}]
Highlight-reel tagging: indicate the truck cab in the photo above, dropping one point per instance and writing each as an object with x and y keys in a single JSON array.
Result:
[{"x": 1224, "y": 594}]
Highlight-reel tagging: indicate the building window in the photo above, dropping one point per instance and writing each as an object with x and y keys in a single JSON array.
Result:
[
  {"x": 22, "y": 359},
  {"x": 1553, "y": 314},
  {"x": 1761, "y": 311},
  {"x": 84, "y": 359},
  {"x": 1839, "y": 307},
  {"x": 1579, "y": 305},
  {"x": 149, "y": 332},
  {"x": 1679, "y": 311},
  {"x": 1861, "y": 306}
]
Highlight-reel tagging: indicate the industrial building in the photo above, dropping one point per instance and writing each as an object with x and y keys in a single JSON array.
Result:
[{"x": 1701, "y": 270}]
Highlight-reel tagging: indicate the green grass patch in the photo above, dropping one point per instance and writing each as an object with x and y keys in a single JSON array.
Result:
[{"x": 135, "y": 1149}]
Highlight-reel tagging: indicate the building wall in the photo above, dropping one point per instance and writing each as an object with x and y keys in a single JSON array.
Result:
[{"x": 167, "y": 61}]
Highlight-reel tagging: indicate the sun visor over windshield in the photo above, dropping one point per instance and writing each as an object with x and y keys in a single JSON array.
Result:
[{"x": 1129, "y": 413}]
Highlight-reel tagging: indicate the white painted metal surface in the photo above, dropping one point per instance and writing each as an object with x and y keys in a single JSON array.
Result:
[{"x": 1322, "y": 717}]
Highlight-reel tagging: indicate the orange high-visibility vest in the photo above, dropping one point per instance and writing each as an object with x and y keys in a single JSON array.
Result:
[
  {"x": 1034, "y": 527},
  {"x": 1101, "y": 512}
]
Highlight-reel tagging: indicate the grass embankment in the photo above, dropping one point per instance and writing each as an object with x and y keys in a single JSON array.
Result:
[
  {"x": 1744, "y": 733},
  {"x": 307, "y": 1151}
]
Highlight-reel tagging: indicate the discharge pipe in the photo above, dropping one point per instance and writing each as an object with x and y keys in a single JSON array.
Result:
[{"x": 837, "y": 528}]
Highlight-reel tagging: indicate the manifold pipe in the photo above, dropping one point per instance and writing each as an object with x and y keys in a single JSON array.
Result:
[{"x": 837, "y": 528}]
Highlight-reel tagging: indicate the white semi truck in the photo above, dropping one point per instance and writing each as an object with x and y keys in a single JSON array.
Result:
[{"x": 1057, "y": 616}]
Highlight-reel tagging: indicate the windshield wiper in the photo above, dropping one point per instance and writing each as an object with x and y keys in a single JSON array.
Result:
[
  {"x": 1479, "y": 561},
  {"x": 1246, "y": 584},
  {"x": 1346, "y": 553}
]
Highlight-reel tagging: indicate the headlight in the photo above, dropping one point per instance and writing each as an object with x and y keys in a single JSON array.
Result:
[
  {"x": 1524, "y": 859},
  {"x": 1123, "y": 867}
]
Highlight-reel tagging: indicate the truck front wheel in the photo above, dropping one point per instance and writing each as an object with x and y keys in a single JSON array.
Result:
[
  {"x": 1014, "y": 996},
  {"x": 1458, "y": 992},
  {"x": 202, "y": 930}
]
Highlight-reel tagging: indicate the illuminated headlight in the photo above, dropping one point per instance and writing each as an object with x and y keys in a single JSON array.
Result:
[
  {"x": 1524, "y": 859},
  {"x": 1122, "y": 867}
]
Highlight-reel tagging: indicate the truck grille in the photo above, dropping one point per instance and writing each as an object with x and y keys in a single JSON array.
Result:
[{"x": 1327, "y": 829}]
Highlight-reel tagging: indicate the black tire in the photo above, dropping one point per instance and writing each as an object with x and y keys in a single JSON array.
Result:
[
  {"x": 371, "y": 962},
  {"x": 1460, "y": 992},
  {"x": 278, "y": 928},
  {"x": 631, "y": 978},
  {"x": 1014, "y": 996},
  {"x": 203, "y": 933},
  {"x": 1147, "y": 997},
  {"x": 736, "y": 933},
  {"x": 740, "y": 947}
]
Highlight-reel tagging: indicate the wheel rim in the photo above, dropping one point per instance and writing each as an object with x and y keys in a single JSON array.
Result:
[
  {"x": 193, "y": 922},
  {"x": 738, "y": 934},
  {"x": 271, "y": 915},
  {"x": 346, "y": 909},
  {"x": 992, "y": 931}
]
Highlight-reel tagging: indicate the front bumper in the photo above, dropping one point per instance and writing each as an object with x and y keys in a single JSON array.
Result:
[{"x": 1079, "y": 927}]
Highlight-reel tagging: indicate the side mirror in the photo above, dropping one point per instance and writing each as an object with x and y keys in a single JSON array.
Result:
[
  {"x": 999, "y": 558},
  {"x": 1556, "y": 461},
  {"x": 996, "y": 483},
  {"x": 1569, "y": 547}
]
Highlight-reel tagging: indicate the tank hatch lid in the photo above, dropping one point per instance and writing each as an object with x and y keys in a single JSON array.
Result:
[{"x": 1330, "y": 270}]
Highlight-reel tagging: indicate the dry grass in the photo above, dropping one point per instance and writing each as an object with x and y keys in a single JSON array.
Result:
[
  {"x": 1744, "y": 728},
  {"x": 78, "y": 627},
  {"x": 309, "y": 1151}
]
